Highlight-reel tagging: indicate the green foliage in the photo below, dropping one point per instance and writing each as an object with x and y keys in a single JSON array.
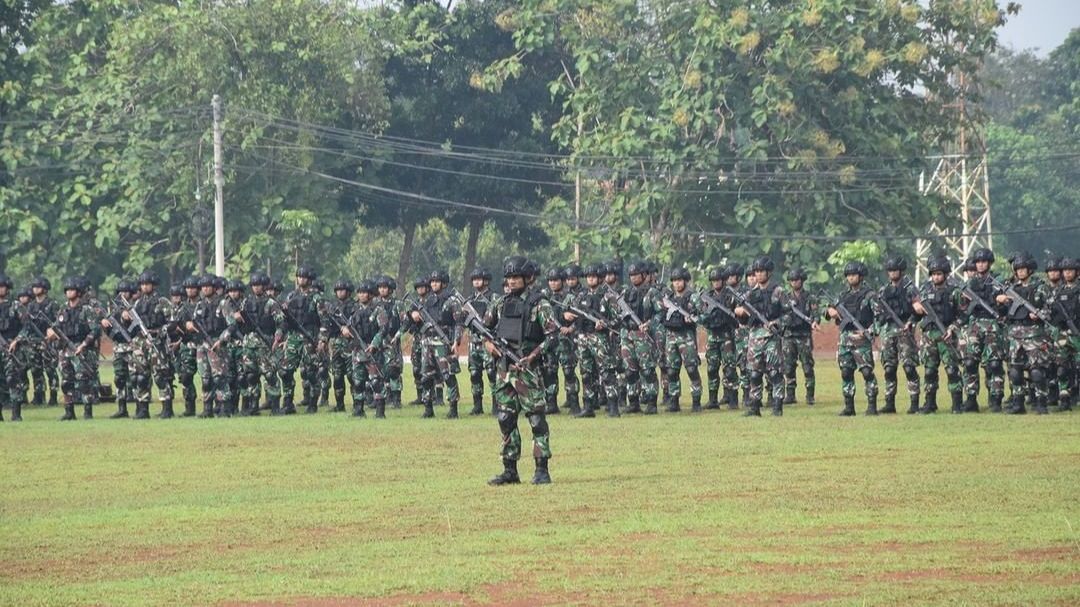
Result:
[{"x": 865, "y": 251}]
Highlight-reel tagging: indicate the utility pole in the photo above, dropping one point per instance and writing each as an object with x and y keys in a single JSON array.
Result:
[
  {"x": 577, "y": 201},
  {"x": 219, "y": 184},
  {"x": 962, "y": 180}
]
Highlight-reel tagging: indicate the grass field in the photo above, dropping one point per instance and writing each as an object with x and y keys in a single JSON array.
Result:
[{"x": 675, "y": 509}]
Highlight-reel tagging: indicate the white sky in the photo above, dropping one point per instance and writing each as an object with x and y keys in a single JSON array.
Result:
[{"x": 1041, "y": 24}]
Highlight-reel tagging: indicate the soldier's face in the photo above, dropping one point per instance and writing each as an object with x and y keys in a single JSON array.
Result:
[
  {"x": 234, "y": 295},
  {"x": 751, "y": 279},
  {"x": 341, "y": 294},
  {"x": 717, "y": 284},
  {"x": 303, "y": 282},
  {"x": 938, "y": 277},
  {"x": 363, "y": 297},
  {"x": 611, "y": 278},
  {"x": 175, "y": 299},
  {"x": 797, "y": 284},
  {"x": 761, "y": 277},
  {"x": 1070, "y": 275},
  {"x": 515, "y": 283},
  {"x": 3, "y": 291},
  {"x": 853, "y": 280},
  {"x": 637, "y": 279},
  {"x": 207, "y": 291},
  {"x": 982, "y": 267},
  {"x": 37, "y": 291},
  {"x": 572, "y": 281},
  {"x": 1053, "y": 275},
  {"x": 257, "y": 289},
  {"x": 592, "y": 280},
  {"x": 436, "y": 285},
  {"x": 421, "y": 291},
  {"x": 384, "y": 292},
  {"x": 894, "y": 275},
  {"x": 1022, "y": 273},
  {"x": 478, "y": 283},
  {"x": 71, "y": 294},
  {"x": 192, "y": 292},
  {"x": 679, "y": 285},
  {"x": 555, "y": 284},
  {"x": 732, "y": 281},
  {"x": 146, "y": 288}
]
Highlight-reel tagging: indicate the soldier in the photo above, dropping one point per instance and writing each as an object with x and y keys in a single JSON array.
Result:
[
  {"x": 733, "y": 347},
  {"x": 184, "y": 345},
  {"x": 982, "y": 335},
  {"x": 416, "y": 357},
  {"x": 718, "y": 323},
  {"x": 440, "y": 333},
  {"x": 742, "y": 331},
  {"x": 76, "y": 331},
  {"x": 638, "y": 350},
  {"x": 1029, "y": 355},
  {"x": 1053, "y": 332},
  {"x": 176, "y": 295},
  {"x": 892, "y": 305},
  {"x": 331, "y": 339},
  {"x": 854, "y": 314},
  {"x": 256, "y": 325},
  {"x": 1064, "y": 305},
  {"x": 799, "y": 321},
  {"x": 613, "y": 281},
  {"x": 274, "y": 291},
  {"x": 678, "y": 313},
  {"x": 596, "y": 359},
  {"x": 938, "y": 304},
  {"x": 392, "y": 358},
  {"x": 12, "y": 357},
  {"x": 121, "y": 346},
  {"x": 208, "y": 324},
  {"x": 480, "y": 362},
  {"x": 298, "y": 320},
  {"x": 42, "y": 311},
  {"x": 573, "y": 274},
  {"x": 563, "y": 355},
  {"x": 525, "y": 325},
  {"x": 763, "y": 305},
  {"x": 367, "y": 329},
  {"x": 150, "y": 318},
  {"x": 232, "y": 342}
]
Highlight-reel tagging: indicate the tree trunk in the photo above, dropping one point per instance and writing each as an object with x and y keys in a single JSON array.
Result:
[
  {"x": 405, "y": 258},
  {"x": 200, "y": 249},
  {"x": 470, "y": 248}
]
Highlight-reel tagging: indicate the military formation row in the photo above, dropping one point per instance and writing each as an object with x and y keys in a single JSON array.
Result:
[{"x": 628, "y": 342}]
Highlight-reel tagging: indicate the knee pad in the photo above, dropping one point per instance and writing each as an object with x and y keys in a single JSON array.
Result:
[
  {"x": 847, "y": 374},
  {"x": 632, "y": 377},
  {"x": 953, "y": 373},
  {"x": 756, "y": 377},
  {"x": 910, "y": 371},
  {"x": 867, "y": 373},
  {"x": 252, "y": 379},
  {"x": 1038, "y": 376},
  {"x": 1065, "y": 372},
  {"x": 972, "y": 368},
  {"x": 694, "y": 374},
  {"x": 789, "y": 368},
  {"x": 1016, "y": 374},
  {"x": 994, "y": 368},
  {"x": 673, "y": 374},
  {"x": 507, "y": 419},
  {"x": 478, "y": 376},
  {"x": 538, "y": 423},
  {"x": 890, "y": 373}
]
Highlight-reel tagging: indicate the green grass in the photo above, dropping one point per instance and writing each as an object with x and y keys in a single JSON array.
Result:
[{"x": 691, "y": 509}]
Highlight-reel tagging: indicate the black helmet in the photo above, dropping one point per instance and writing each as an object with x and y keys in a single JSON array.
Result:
[
  {"x": 1053, "y": 264},
  {"x": 733, "y": 269},
  {"x": 855, "y": 267},
  {"x": 306, "y": 271},
  {"x": 207, "y": 280},
  {"x": 234, "y": 285},
  {"x": 145, "y": 278},
  {"x": 318, "y": 285},
  {"x": 258, "y": 279},
  {"x": 126, "y": 286},
  {"x": 574, "y": 270},
  {"x": 1024, "y": 259},
  {"x": 796, "y": 274},
  {"x": 653, "y": 268},
  {"x": 477, "y": 273},
  {"x": 277, "y": 285},
  {"x": 594, "y": 269},
  {"x": 893, "y": 264},
  {"x": 220, "y": 282},
  {"x": 516, "y": 266},
  {"x": 121, "y": 287},
  {"x": 40, "y": 282},
  {"x": 983, "y": 255},
  {"x": 680, "y": 274},
  {"x": 638, "y": 267},
  {"x": 174, "y": 290},
  {"x": 366, "y": 286},
  {"x": 5, "y": 281},
  {"x": 440, "y": 275},
  {"x": 420, "y": 282},
  {"x": 555, "y": 274},
  {"x": 1070, "y": 263},
  {"x": 191, "y": 282},
  {"x": 344, "y": 284},
  {"x": 392, "y": 284},
  {"x": 762, "y": 264},
  {"x": 938, "y": 264},
  {"x": 717, "y": 273},
  {"x": 384, "y": 281},
  {"x": 969, "y": 265},
  {"x": 73, "y": 283}
]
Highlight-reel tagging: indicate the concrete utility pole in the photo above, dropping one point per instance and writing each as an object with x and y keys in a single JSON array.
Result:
[
  {"x": 961, "y": 178},
  {"x": 219, "y": 183}
]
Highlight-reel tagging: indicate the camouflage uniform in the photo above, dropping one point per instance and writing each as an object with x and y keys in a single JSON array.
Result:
[
  {"x": 339, "y": 355},
  {"x": 13, "y": 365},
  {"x": 899, "y": 348},
  {"x": 149, "y": 354},
  {"x": 720, "y": 351},
  {"x": 96, "y": 311},
  {"x": 440, "y": 362},
  {"x": 681, "y": 347},
  {"x": 416, "y": 348},
  {"x": 184, "y": 347},
  {"x": 256, "y": 361},
  {"x": 42, "y": 355},
  {"x": 79, "y": 326},
  {"x": 637, "y": 348},
  {"x": 764, "y": 358},
  {"x": 798, "y": 342},
  {"x": 937, "y": 348},
  {"x": 562, "y": 356},
  {"x": 983, "y": 339},
  {"x": 595, "y": 357},
  {"x": 213, "y": 355},
  {"x": 1029, "y": 348},
  {"x": 1064, "y": 309},
  {"x": 393, "y": 359},
  {"x": 855, "y": 350},
  {"x": 298, "y": 319},
  {"x": 121, "y": 349},
  {"x": 480, "y": 362},
  {"x": 367, "y": 352}
]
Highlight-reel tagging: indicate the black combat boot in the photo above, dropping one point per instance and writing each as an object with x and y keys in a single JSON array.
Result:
[
  {"x": 1064, "y": 403},
  {"x": 52, "y": 397},
  {"x": 573, "y": 408},
  {"x": 452, "y": 413},
  {"x": 38, "y": 399},
  {"x": 930, "y": 406},
  {"x": 311, "y": 408},
  {"x": 586, "y": 410},
  {"x": 1016, "y": 405},
  {"x": 478, "y": 405},
  {"x": 380, "y": 408},
  {"x": 439, "y": 397},
  {"x": 913, "y": 408},
  {"x": 789, "y": 395},
  {"x": 16, "y": 412},
  {"x": 650, "y": 407},
  {"x": 971, "y": 405},
  {"x": 189, "y": 406},
  {"x": 809, "y": 396},
  {"x": 673, "y": 405},
  {"x": 274, "y": 403},
  {"x": 613, "y": 407},
  {"x": 69, "y": 409},
  {"x": 732, "y": 399},
  {"x": 777, "y": 406},
  {"x": 849, "y": 407},
  {"x": 121, "y": 409},
  {"x": 509, "y": 474},
  {"x": 395, "y": 399},
  {"x": 871, "y": 405},
  {"x": 746, "y": 397},
  {"x": 713, "y": 403},
  {"x": 358, "y": 409},
  {"x": 287, "y": 406},
  {"x": 208, "y": 408},
  {"x": 890, "y": 404},
  {"x": 88, "y": 411},
  {"x": 1, "y": 412},
  {"x": 635, "y": 405},
  {"x": 995, "y": 404},
  {"x": 551, "y": 409},
  {"x": 142, "y": 410},
  {"x": 416, "y": 401},
  {"x": 753, "y": 409},
  {"x": 166, "y": 409},
  {"x": 957, "y": 402},
  {"x": 695, "y": 403},
  {"x": 429, "y": 411},
  {"x": 1038, "y": 405},
  {"x": 541, "y": 477}
]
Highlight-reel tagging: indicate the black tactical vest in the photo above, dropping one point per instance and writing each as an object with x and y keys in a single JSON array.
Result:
[
  {"x": 9, "y": 325},
  {"x": 206, "y": 317},
  {"x": 1017, "y": 313},
  {"x": 898, "y": 299},
  {"x": 941, "y": 300},
  {"x": 853, "y": 302},
  {"x": 255, "y": 313},
  {"x": 515, "y": 321},
  {"x": 674, "y": 320},
  {"x": 984, "y": 288},
  {"x": 72, "y": 322},
  {"x": 147, "y": 309}
]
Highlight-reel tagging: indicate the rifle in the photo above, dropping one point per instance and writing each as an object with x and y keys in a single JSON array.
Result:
[
  {"x": 1019, "y": 301},
  {"x": 743, "y": 301},
  {"x": 138, "y": 323},
  {"x": 68, "y": 345},
  {"x": 892, "y": 313},
  {"x": 673, "y": 308},
  {"x": 119, "y": 326},
  {"x": 627, "y": 312},
  {"x": 477, "y": 326},
  {"x": 578, "y": 311},
  {"x": 1068, "y": 319},
  {"x": 973, "y": 297},
  {"x": 712, "y": 304},
  {"x": 292, "y": 319},
  {"x": 345, "y": 323},
  {"x": 430, "y": 322},
  {"x": 932, "y": 314},
  {"x": 845, "y": 314}
]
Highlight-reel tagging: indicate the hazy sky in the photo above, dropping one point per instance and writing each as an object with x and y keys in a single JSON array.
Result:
[{"x": 1041, "y": 24}]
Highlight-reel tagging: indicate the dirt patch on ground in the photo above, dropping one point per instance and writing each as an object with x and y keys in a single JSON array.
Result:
[
  {"x": 1050, "y": 553},
  {"x": 918, "y": 575},
  {"x": 781, "y": 598}
]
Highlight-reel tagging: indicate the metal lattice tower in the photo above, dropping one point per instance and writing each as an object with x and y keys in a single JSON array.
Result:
[{"x": 961, "y": 179}]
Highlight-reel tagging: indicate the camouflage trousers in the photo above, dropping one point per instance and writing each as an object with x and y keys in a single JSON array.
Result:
[
  {"x": 638, "y": 353},
  {"x": 517, "y": 392},
  {"x": 856, "y": 352},
  {"x": 322, "y": 376},
  {"x": 1067, "y": 359},
  {"x": 76, "y": 376},
  {"x": 298, "y": 353},
  {"x": 899, "y": 349},
  {"x": 660, "y": 337},
  {"x": 720, "y": 353},
  {"x": 216, "y": 373},
  {"x": 480, "y": 363},
  {"x": 256, "y": 365},
  {"x": 417, "y": 362},
  {"x": 339, "y": 364},
  {"x": 798, "y": 349},
  {"x": 42, "y": 361},
  {"x": 393, "y": 364},
  {"x": 597, "y": 364},
  {"x": 764, "y": 361},
  {"x": 151, "y": 365},
  {"x": 742, "y": 338},
  {"x": 440, "y": 364},
  {"x": 186, "y": 365},
  {"x": 981, "y": 343},
  {"x": 563, "y": 357},
  {"x": 122, "y": 372},
  {"x": 936, "y": 351},
  {"x": 681, "y": 350},
  {"x": 369, "y": 384},
  {"x": 1029, "y": 360},
  {"x": 13, "y": 375}
]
